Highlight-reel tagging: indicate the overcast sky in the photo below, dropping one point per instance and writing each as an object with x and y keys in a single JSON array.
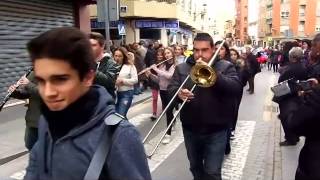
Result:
[{"x": 218, "y": 8}]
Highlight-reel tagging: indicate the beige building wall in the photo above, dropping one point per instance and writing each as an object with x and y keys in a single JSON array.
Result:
[
  {"x": 191, "y": 14},
  {"x": 155, "y": 9}
]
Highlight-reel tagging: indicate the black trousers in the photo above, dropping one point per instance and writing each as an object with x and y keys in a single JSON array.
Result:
[
  {"x": 251, "y": 84},
  {"x": 289, "y": 135},
  {"x": 165, "y": 99},
  {"x": 275, "y": 67}
]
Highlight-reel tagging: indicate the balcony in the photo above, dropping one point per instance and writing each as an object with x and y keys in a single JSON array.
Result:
[{"x": 149, "y": 8}]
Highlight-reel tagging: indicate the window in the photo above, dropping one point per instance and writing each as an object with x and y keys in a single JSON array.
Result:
[
  {"x": 301, "y": 26},
  {"x": 284, "y": 14}
]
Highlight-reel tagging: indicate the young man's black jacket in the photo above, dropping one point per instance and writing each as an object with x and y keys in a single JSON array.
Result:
[
  {"x": 212, "y": 108},
  {"x": 107, "y": 74}
]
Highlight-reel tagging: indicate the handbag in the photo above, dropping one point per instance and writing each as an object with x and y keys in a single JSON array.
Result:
[{"x": 281, "y": 89}]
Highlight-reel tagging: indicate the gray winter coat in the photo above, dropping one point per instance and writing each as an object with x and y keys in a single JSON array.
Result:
[{"x": 68, "y": 158}]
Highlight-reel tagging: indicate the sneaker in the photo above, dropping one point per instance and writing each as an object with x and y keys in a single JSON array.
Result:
[
  {"x": 153, "y": 117},
  {"x": 232, "y": 135},
  {"x": 166, "y": 139},
  {"x": 173, "y": 127}
]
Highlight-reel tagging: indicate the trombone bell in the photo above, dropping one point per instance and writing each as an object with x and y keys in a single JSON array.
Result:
[{"x": 203, "y": 75}]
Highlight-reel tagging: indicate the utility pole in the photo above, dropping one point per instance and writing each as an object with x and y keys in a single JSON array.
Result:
[{"x": 107, "y": 27}]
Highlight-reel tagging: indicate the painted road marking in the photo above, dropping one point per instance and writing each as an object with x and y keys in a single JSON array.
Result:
[{"x": 267, "y": 114}]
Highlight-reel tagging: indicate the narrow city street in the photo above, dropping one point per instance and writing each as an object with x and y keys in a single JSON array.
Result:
[{"x": 255, "y": 153}]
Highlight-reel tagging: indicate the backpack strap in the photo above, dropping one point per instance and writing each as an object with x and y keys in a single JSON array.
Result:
[{"x": 99, "y": 157}]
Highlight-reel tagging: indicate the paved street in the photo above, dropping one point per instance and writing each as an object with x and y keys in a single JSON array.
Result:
[{"x": 255, "y": 151}]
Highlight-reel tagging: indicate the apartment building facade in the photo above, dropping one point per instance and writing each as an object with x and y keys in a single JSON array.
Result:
[
  {"x": 168, "y": 21},
  {"x": 241, "y": 28},
  {"x": 289, "y": 19},
  {"x": 22, "y": 20}
]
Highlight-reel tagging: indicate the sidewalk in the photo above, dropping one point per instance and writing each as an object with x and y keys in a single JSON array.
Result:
[
  {"x": 12, "y": 128},
  {"x": 285, "y": 158}
]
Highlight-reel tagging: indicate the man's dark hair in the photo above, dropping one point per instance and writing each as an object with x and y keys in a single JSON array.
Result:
[
  {"x": 204, "y": 37},
  {"x": 226, "y": 46},
  {"x": 68, "y": 44},
  {"x": 98, "y": 37},
  {"x": 307, "y": 41}
]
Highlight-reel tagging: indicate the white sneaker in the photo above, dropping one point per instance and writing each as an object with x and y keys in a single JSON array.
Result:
[
  {"x": 173, "y": 127},
  {"x": 166, "y": 139}
]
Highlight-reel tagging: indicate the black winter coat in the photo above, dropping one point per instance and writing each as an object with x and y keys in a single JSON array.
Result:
[
  {"x": 107, "y": 74},
  {"x": 298, "y": 72},
  {"x": 314, "y": 70},
  {"x": 305, "y": 121},
  {"x": 212, "y": 108}
]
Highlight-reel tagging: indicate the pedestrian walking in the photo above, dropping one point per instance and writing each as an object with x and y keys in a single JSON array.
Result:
[
  {"x": 164, "y": 75},
  {"x": 154, "y": 84},
  {"x": 295, "y": 70},
  {"x": 105, "y": 64},
  {"x": 126, "y": 79},
  {"x": 254, "y": 68},
  {"x": 80, "y": 136}
]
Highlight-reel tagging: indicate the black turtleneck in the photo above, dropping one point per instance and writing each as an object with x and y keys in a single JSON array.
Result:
[{"x": 76, "y": 114}]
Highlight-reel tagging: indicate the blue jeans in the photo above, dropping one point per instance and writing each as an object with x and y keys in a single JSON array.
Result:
[
  {"x": 205, "y": 153},
  {"x": 137, "y": 88},
  {"x": 124, "y": 100}
]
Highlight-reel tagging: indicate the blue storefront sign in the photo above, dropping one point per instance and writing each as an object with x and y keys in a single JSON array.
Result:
[
  {"x": 100, "y": 25},
  {"x": 157, "y": 24}
]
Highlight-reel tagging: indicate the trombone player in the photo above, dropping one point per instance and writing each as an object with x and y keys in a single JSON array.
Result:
[{"x": 207, "y": 115}]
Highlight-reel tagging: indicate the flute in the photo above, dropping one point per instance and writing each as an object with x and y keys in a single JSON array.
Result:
[{"x": 17, "y": 84}]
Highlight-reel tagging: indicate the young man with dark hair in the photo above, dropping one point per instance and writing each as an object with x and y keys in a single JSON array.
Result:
[
  {"x": 207, "y": 115},
  {"x": 78, "y": 126},
  {"x": 107, "y": 69}
]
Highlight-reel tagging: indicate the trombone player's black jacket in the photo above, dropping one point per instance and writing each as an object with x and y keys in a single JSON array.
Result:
[{"x": 212, "y": 108}]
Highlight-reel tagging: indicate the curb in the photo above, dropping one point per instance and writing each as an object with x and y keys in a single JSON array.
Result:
[
  {"x": 146, "y": 98},
  {"x": 21, "y": 153},
  {"x": 13, "y": 103}
]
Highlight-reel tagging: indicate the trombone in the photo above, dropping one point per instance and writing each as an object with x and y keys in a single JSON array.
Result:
[
  {"x": 203, "y": 76},
  {"x": 148, "y": 68}
]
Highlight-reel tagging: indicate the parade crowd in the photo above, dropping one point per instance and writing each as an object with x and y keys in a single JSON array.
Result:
[{"x": 79, "y": 96}]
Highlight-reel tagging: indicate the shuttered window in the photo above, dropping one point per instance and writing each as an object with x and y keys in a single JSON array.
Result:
[{"x": 21, "y": 20}]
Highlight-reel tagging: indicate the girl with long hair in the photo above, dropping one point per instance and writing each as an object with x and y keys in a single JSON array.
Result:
[
  {"x": 164, "y": 74},
  {"x": 154, "y": 84},
  {"x": 125, "y": 82}
]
